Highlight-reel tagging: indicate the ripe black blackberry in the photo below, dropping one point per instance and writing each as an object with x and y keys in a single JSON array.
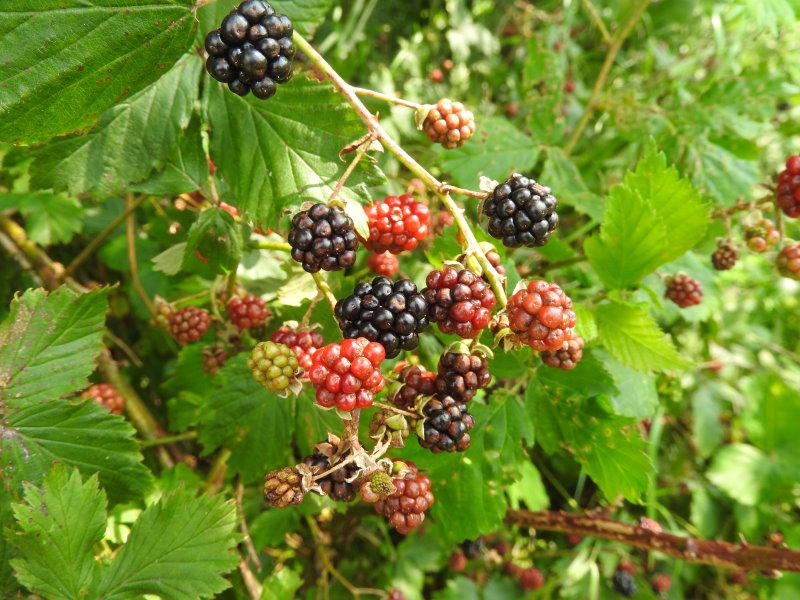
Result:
[
  {"x": 323, "y": 237},
  {"x": 472, "y": 549},
  {"x": 624, "y": 584},
  {"x": 392, "y": 314},
  {"x": 446, "y": 426},
  {"x": 461, "y": 374},
  {"x": 252, "y": 51},
  {"x": 521, "y": 212}
]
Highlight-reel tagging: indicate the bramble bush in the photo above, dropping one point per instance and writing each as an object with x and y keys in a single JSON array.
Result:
[{"x": 450, "y": 299}]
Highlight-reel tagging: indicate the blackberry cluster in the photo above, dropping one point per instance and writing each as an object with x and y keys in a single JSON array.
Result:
[
  {"x": 521, "y": 212},
  {"x": 214, "y": 358},
  {"x": 683, "y": 290},
  {"x": 347, "y": 375},
  {"x": 448, "y": 123},
  {"x": 384, "y": 264},
  {"x": 248, "y": 311},
  {"x": 725, "y": 256},
  {"x": 459, "y": 301},
  {"x": 392, "y": 314},
  {"x": 447, "y": 425},
  {"x": 567, "y": 357},
  {"x": 405, "y": 507},
  {"x": 397, "y": 224},
  {"x": 788, "y": 262},
  {"x": 541, "y": 315},
  {"x": 274, "y": 366},
  {"x": 304, "y": 342},
  {"x": 283, "y": 488},
  {"x": 789, "y": 188},
  {"x": 334, "y": 485},
  {"x": 107, "y": 395},
  {"x": 529, "y": 578},
  {"x": 252, "y": 51},
  {"x": 460, "y": 375},
  {"x": 323, "y": 237},
  {"x": 624, "y": 584},
  {"x": 188, "y": 324},
  {"x": 761, "y": 236},
  {"x": 416, "y": 382}
]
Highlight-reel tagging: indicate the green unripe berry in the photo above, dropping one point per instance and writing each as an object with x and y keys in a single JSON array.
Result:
[{"x": 274, "y": 366}]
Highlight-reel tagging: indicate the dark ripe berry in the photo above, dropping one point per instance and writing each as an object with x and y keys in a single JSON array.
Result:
[
  {"x": 405, "y": 508},
  {"x": 397, "y": 224},
  {"x": 541, "y": 315},
  {"x": 220, "y": 69},
  {"x": 447, "y": 425},
  {"x": 323, "y": 238},
  {"x": 256, "y": 32},
  {"x": 390, "y": 313},
  {"x": 282, "y": 487},
  {"x": 789, "y": 188},
  {"x": 416, "y": 382},
  {"x": 280, "y": 69},
  {"x": 264, "y": 88},
  {"x": 521, "y": 212},
  {"x": 269, "y": 47},
  {"x": 450, "y": 124},
  {"x": 461, "y": 375},
  {"x": 107, "y": 395},
  {"x": 725, "y": 256},
  {"x": 684, "y": 290},
  {"x": 247, "y": 311},
  {"x": 274, "y": 366},
  {"x": 472, "y": 549},
  {"x": 530, "y": 579},
  {"x": 287, "y": 47},
  {"x": 334, "y": 485},
  {"x": 274, "y": 26},
  {"x": 303, "y": 342},
  {"x": 239, "y": 87},
  {"x": 788, "y": 261},
  {"x": 567, "y": 357},
  {"x": 624, "y": 584},
  {"x": 385, "y": 264},
  {"x": 234, "y": 28},
  {"x": 214, "y": 358},
  {"x": 189, "y": 324},
  {"x": 214, "y": 44},
  {"x": 761, "y": 235},
  {"x": 254, "y": 64},
  {"x": 347, "y": 375},
  {"x": 459, "y": 301},
  {"x": 661, "y": 583},
  {"x": 288, "y": 27},
  {"x": 254, "y": 10}
]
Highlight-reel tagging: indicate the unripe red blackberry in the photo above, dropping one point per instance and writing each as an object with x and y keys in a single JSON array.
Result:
[
  {"x": 541, "y": 315},
  {"x": 446, "y": 425},
  {"x": 248, "y": 311},
  {"x": 283, "y": 488},
  {"x": 405, "y": 508},
  {"x": 661, "y": 583},
  {"x": 448, "y": 123},
  {"x": 275, "y": 367},
  {"x": 390, "y": 313},
  {"x": 335, "y": 485},
  {"x": 761, "y": 236},
  {"x": 683, "y": 290},
  {"x": 521, "y": 212},
  {"x": 395, "y": 594},
  {"x": 323, "y": 238},
  {"x": 530, "y": 578},
  {"x": 416, "y": 382},
  {"x": 788, "y": 261},
  {"x": 725, "y": 256},
  {"x": 189, "y": 324},
  {"x": 567, "y": 357},
  {"x": 304, "y": 342},
  {"x": 384, "y": 264},
  {"x": 214, "y": 358},
  {"x": 789, "y": 188},
  {"x": 347, "y": 375},
  {"x": 107, "y": 395},
  {"x": 459, "y": 301},
  {"x": 461, "y": 374},
  {"x": 457, "y": 561},
  {"x": 397, "y": 224}
]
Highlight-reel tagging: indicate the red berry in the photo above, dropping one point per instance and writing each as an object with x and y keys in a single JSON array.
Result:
[
  {"x": 541, "y": 316},
  {"x": 459, "y": 301},
  {"x": 416, "y": 382},
  {"x": 684, "y": 290},
  {"x": 304, "y": 342},
  {"x": 395, "y": 594},
  {"x": 189, "y": 324},
  {"x": 107, "y": 395},
  {"x": 449, "y": 124},
  {"x": 458, "y": 562},
  {"x": 405, "y": 507},
  {"x": 567, "y": 357},
  {"x": 569, "y": 86},
  {"x": 248, "y": 311},
  {"x": 347, "y": 375},
  {"x": 789, "y": 188},
  {"x": 437, "y": 76},
  {"x": 788, "y": 261},
  {"x": 397, "y": 223},
  {"x": 725, "y": 256},
  {"x": 661, "y": 583},
  {"x": 761, "y": 235},
  {"x": 385, "y": 264},
  {"x": 530, "y": 579}
]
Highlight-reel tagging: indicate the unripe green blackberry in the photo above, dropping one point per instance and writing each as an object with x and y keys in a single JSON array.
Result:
[{"x": 275, "y": 367}]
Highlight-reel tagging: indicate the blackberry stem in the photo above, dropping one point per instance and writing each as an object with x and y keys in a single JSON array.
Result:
[
  {"x": 324, "y": 289},
  {"x": 362, "y": 150},
  {"x": 282, "y": 246},
  {"x": 394, "y": 409},
  {"x": 130, "y": 228},
  {"x": 387, "y": 98}
]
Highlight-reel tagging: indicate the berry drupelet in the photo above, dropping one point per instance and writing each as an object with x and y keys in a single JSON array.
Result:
[
  {"x": 541, "y": 315},
  {"x": 107, "y": 395},
  {"x": 405, "y": 507},
  {"x": 459, "y": 301},
  {"x": 521, "y": 212},
  {"x": 347, "y": 375},
  {"x": 188, "y": 324},
  {"x": 761, "y": 235},
  {"x": 461, "y": 374},
  {"x": 247, "y": 311},
  {"x": 789, "y": 188},
  {"x": 392, "y": 314},
  {"x": 323, "y": 238},
  {"x": 447, "y": 425},
  {"x": 415, "y": 382},
  {"x": 448, "y": 123},
  {"x": 252, "y": 51},
  {"x": 397, "y": 224},
  {"x": 282, "y": 487},
  {"x": 684, "y": 291}
]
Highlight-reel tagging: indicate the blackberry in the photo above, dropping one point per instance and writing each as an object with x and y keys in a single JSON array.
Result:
[
  {"x": 335, "y": 484},
  {"x": 446, "y": 426},
  {"x": 540, "y": 314},
  {"x": 385, "y": 264},
  {"x": 788, "y": 261},
  {"x": 323, "y": 237},
  {"x": 528, "y": 579},
  {"x": 214, "y": 357},
  {"x": 458, "y": 301},
  {"x": 521, "y": 212},
  {"x": 283, "y": 487},
  {"x": 725, "y": 256},
  {"x": 567, "y": 357},
  {"x": 275, "y": 367},
  {"x": 624, "y": 584},
  {"x": 448, "y": 123},
  {"x": 405, "y": 507},
  {"x": 397, "y": 224},
  {"x": 303, "y": 341},
  {"x": 392, "y": 314},
  {"x": 789, "y": 188},
  {"x": 457, "y": 561},
  {"x": 347, "y": 375},
  {"x": 247, "y": 311},
  {"x": 472, "y": 549},
  {"x": 252, "y": 50},
  {"x": 761, "y": 235},
  {"x": 189, "y": 324},
  {"x": 107, "y": 395},
  {"x": 415, "y": 382},
  {"x": 661, "y": 583},
  {"x": 684, "y": 290},
  {"x": 461, "y": 374}
]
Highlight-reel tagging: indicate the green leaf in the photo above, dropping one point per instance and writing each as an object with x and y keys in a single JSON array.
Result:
[
  {"x": 49, "y": 218},
  {"x": 720, "y": 173},
  {"x": 59, "y": 525},
  {"x": 130, "y": 140},
  {"x": 282, "y": 585},
  {"x": 635, "y": 394},
  {"x": 528, "y": 488},
  {"x": 770, "y": 415},
  {"x": 170, "y": 260},
  {"x": 459, "y": 588},
  {"x": 179, "y": 548},
  {"x": 217, "y": 237},
  {"x": 306, "y": 15},
  {"x": 97, "y": 54},
  {"x": 291, "y": 150},
  {"x": 589, "y": 378},
  {"x": 48, "y": 344},
  {"x": 706, "y": 427},
  {"x": 312, "y": 424},
  {"x": 631, "y": 335},
  {"x": 741, "y": 471}
]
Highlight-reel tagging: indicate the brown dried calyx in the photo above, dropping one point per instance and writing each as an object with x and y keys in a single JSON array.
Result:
[{"x": 341, "y": 483}]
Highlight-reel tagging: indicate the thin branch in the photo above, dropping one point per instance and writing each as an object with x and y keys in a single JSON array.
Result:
[
  {"x": 169, "y": 439},
  {"x": 387, "y": 98},
  {"x": 126, "y": 349},
  {"x": 597, "y": 20},
  {"x": 282, "y": 246},
  {"x": 248, "y": 541},
  {"x": 324, "y": 289},
  {"x": 394, "y": 409},
  {"x": 718, "y": 554},
  {"x": 217, "y": 473},
  {"x": 447, "y": 188},
  {"x": 254, "y": 588},
  {"x": 50, "y": 272},
  {"x": 599, "y": 84},
  {"x": 362, "y": 150},
  {"x": 130, "y": 231},
  {"x": 762, "y": 204}
]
